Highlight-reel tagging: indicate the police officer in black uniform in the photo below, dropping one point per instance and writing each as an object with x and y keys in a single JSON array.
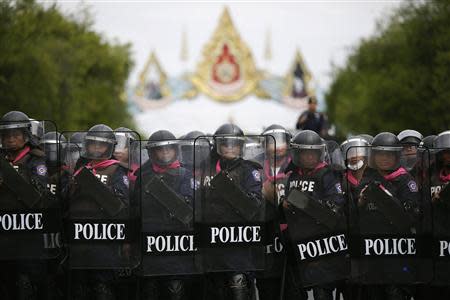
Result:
[
  {"x": 440, "y": 197},
  {"x": 97, "y": 157},
  {"x": 276, "y": 160},
  {"x": 228, "y": 157},
  {"x": 310, "y": 174},
  {"x": 389, "y": 176},
  {"x": 19, "y": 148},
  {"x": 164, "y": 164}
]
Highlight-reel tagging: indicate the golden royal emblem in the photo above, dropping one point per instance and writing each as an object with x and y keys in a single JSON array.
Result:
[{"x": 227, "y": 71}]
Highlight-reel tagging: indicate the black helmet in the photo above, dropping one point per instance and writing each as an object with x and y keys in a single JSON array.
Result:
[
  {"x": 307, "y": 142},
  {"x": 388, "y": 144},
  {"x": 14, "y": 123},
  {"x": 124, "y": 137},
  {"x": 280, "y": 136},
  {"x": 427, "y": 142},
  {"x": 410, "y": 137},
  {"x": 227, "y": 137},
  {"x": 53, "y": 144},
  {"x": 77, "y": 138},
  {"x": 193, "y": 146},
  {"x": 354, "y": 148},
  {"x": 158, "y": 145},
  {"x": 99, "y": 142},
  {"x": 442, "y": 140}
]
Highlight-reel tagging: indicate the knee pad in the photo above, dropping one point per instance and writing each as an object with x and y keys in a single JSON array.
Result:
[{"x": 237, "y": 281}]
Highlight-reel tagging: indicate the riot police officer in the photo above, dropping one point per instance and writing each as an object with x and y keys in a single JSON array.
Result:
[
  {"x": 276, "y": 160},
  {"x": 356, "y": 153},
  {"x": 19, "y": 150},
  {"x": 232, "y": 267},
  {"x": 312, "y": 181},
  {"x": 387, "y": 179},
  {"x": 97, "y": 158},
  {"x": 166, "y": 191}
]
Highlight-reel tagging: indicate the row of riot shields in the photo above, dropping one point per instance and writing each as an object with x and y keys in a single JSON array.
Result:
[{"x": 188, "y": 215}]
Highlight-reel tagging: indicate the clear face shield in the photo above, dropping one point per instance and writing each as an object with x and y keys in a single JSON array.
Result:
[
  {"x": 97, "y": 148},
  {"x": 409, "y": 156},
  {"x": 307, "y": 156},
  {"x": 71, "y": 154},
  {"x": 163, "y": 153},
  {"x": 230, "y": 147},
  {"x": 13, "y": 139},
  {"x": 385, "y": 158},
  {"x": 198, "y": 150},
  {"x": 121, "y": 150},
  {"x": 357, "y": 157},
  {"x": 276, "y": 144}
]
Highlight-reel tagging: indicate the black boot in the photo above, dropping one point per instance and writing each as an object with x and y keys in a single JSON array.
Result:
[{"x": 238, "y": 287}]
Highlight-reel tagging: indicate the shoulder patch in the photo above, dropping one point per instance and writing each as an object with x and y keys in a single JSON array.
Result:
[
  {"x": 126, "y": 181},
  {"x": 338, "y": 188},
  {"x": 412, "y": 185},
  {"x": 41, "y": 170},
  {"x": 256, "y": 175}
]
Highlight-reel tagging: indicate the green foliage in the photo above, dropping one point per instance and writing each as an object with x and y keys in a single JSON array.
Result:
[
  {"x": 399, "y": 78},
  {"x": 57, "y": 68}
]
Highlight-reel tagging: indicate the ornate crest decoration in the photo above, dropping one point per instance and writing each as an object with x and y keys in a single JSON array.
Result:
[{"x": 227, "y": 71}]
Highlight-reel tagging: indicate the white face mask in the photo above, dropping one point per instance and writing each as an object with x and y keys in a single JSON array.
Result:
[{"x": 356, "y": 166}]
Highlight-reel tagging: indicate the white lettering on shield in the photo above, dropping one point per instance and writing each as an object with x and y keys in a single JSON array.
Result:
[
  {"x": 12, "y": 222},
  {"x": 325, "y": 246}
]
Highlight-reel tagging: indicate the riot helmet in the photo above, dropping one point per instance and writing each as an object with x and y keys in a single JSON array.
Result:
[
  {"x": 385, "y": 152},
  {"x": 356, "y": 153},
  {"x": 53, "y": 144},
  {"x": 194, "y": 148},
  {"x": 163, "y": 148},
  {"x": 229, "y": 141},
  {"x": 410, "y": 140},
  {"x": 277, "y": 141},
  {"x": 307, "y": 149},
  {"x": 15, "y": 130},
  {"x": 125, "y": 138},
  {"x": 367, "y": 137},
  {"x": 99, "y": 143},
  {"x": 441, "y": 144}
]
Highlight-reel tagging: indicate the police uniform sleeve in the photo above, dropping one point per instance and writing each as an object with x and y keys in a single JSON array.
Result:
[
  {"x": 252, "y": 183},
  {"x": 408, "y": 193},
  {"x": 187, "y": 185},
  {"x": 332, "y": 189},
  {"x": 39, "y": 174},
  {"x": 120, "y": 185}
]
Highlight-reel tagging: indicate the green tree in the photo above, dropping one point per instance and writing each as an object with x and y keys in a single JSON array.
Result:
[
  {"x": 399, "y": 78},
  {"x": 57, "y": 68}
]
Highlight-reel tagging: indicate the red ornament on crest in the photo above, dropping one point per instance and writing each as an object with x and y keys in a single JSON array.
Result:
[{"x": 226, "y": 69}]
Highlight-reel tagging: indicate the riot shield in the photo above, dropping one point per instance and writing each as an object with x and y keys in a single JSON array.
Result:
[
  {"x": 230, "y": 209},
  {"x": 102, "y": 216},
  {"x": 314, "y": 207},
  {"x": 389, "y": 222},
  {"x": 30, "y": 216},
  {"x": 439, "y": 191},
  {"x": 167, "y": 210}
]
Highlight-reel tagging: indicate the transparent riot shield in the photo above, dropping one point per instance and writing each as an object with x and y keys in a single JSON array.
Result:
[
  {"x": 439, "y": 191},
  {"x": 166, "y": 186},
  {"x": 102, "y": 211},
  {"x": 389, "y": 219},
  {"x": 275, "y": 161},
  {"x": 230, "y": 209},
  {"x": 314, "y": 210},
  {"x": 30, "y": 215}
]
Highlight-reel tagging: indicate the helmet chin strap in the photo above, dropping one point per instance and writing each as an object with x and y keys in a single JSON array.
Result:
[{"x": 357, "y": 166}]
